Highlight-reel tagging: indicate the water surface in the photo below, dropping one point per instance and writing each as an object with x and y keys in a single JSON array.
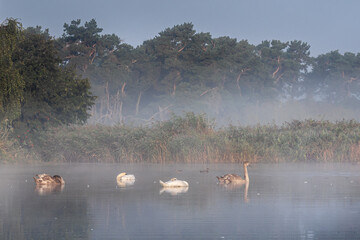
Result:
[{"x": 282, "y": 201}]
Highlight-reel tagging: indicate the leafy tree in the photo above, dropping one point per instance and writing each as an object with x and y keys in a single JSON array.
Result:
[
  {"x": 11, "y": 82},
  {"x": 95, "y": 57},
  {"x": 178, "y": 53},
  {"x": 87, "y": 34},
  {"x": 285, "y": 65},
  {"x": 335, "y": 77},
  {"x": 81, "y": 45},
  {"x": 296, "y": 63},
  {"x": 53, "y": 94},
  {"x": 243, "y": 70},
  {"x": 272, "y": 56}
]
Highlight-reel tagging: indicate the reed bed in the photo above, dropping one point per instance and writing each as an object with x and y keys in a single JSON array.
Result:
[
  {"x": 11, "y": 150},
  {"x": 194, "y": 139}
]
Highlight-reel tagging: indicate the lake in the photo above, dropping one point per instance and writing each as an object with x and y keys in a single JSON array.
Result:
[{"x": 282, "y": 201}]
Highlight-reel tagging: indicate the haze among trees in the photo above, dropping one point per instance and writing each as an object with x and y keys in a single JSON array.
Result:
[
  {"x": 181, "y": 70},
  {"x": 177, "y": 71},
  {"x": 89, "y": 77}
]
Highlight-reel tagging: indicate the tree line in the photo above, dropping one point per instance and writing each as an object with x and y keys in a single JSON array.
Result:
[
  {"x": 181, "y": 70},
  {"x": 47, "y": 80}
]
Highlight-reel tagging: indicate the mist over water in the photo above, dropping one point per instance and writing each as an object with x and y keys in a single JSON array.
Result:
[{"x": 282, "y": 201}]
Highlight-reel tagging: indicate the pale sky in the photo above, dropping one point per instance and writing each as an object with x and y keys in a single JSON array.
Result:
[{"x": 326, "y": 25}]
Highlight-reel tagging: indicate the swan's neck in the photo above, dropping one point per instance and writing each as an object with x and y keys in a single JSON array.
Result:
[{"x": 246, "y": 175}]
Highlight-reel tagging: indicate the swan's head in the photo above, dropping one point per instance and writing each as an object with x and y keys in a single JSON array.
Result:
[
  {"x": 120, "y": 175},
  {"x": 41, "y": 175},
  {"x": 58, "y": 179},
  {"x": 246, "y": 163},
  {"x": 173, "y": 179}
]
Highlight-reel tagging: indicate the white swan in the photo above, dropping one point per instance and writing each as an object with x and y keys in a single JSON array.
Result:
[
  {"x": 124, "y": 179},
  {"x": 174, "y": 183}
]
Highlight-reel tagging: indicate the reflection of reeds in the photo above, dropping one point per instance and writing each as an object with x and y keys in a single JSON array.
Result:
[
  {"x": 236, "y": 186},
  {"x": 192, "y": 139}
]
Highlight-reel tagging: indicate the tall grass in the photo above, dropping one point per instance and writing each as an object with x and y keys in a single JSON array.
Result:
[
  {"x": 11, "y": 150},
  {"x": 194, "y": 139}
]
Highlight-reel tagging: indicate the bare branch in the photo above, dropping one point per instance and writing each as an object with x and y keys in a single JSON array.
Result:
[
  {"x": 182, "y": 48},
  {"x": 278, "y": 78},
  {"x": 209, "y": 90}
]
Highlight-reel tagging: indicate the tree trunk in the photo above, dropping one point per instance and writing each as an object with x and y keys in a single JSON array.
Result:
[
  {"x": 278, "y": 68},
  {"x": 120, "y": 113},
  {"x": 238, "y": 79},
  {"x": 123, "y": 89},
  {"x": 107, "y": 95},
  {"x": 138, "y": 103}
]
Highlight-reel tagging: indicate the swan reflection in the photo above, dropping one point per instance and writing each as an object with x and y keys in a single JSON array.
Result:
[
  {"x": 174, "y": 191},
  {"x": 43, "y": 190},
  {"x": 235, "y": 186},
  {"x": 174, "y": 183}
]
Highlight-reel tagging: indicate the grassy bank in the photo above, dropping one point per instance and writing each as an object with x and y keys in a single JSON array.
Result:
[
  {"x": 193, "y": 139},
  {"x": 11, "y": 151}
]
